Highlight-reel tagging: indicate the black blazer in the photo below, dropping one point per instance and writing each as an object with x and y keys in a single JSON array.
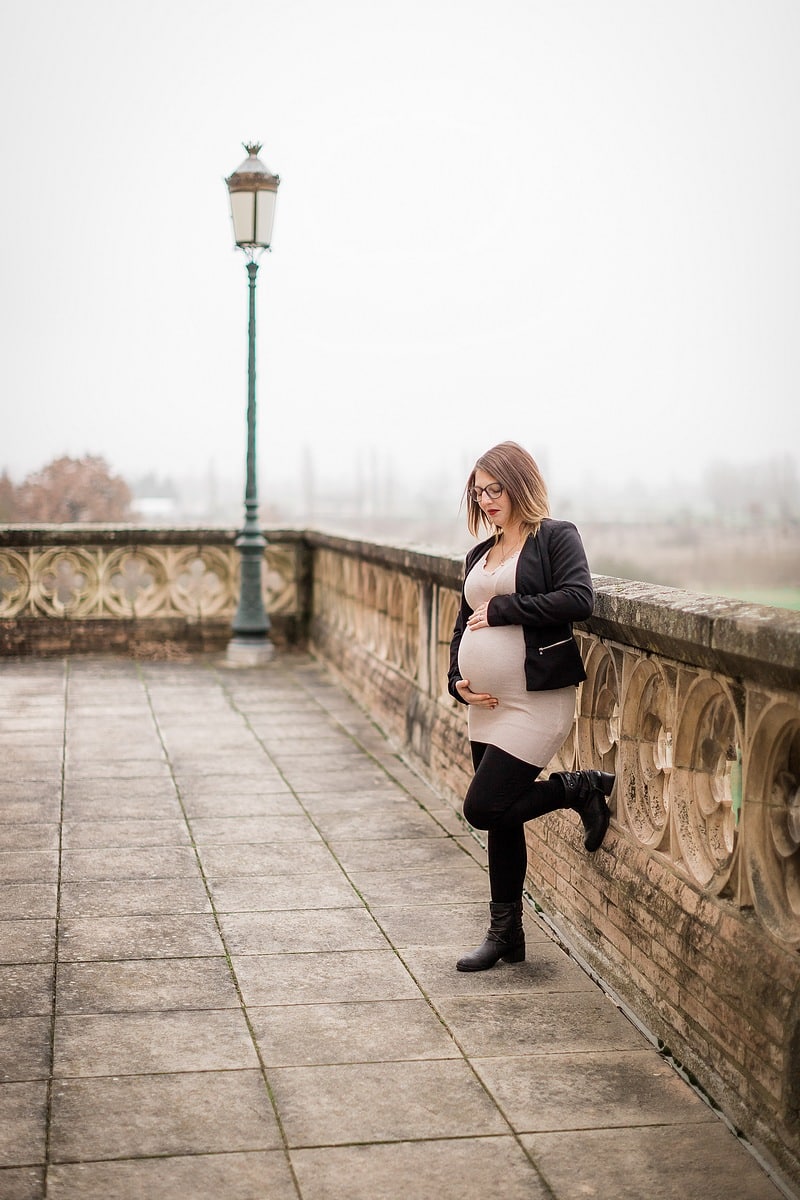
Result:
[{"x": 554, "y": 588}]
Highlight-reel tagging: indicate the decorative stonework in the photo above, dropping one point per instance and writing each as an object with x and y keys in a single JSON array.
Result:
[
  {"x": 374, "y": 606},
  {"x": 137, "y": 581},
  {"x": 771, "y": 819}
]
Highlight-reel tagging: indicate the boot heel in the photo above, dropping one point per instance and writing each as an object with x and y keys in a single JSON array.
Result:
[
  {"x": 605, "y": 782},
  {"x": 516, "y": 955}
]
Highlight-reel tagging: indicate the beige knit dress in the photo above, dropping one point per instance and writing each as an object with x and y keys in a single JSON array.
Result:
[{"x": 530, "y": 725}]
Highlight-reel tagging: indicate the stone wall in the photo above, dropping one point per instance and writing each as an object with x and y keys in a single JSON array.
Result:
[{"x": 690, "y": 912}]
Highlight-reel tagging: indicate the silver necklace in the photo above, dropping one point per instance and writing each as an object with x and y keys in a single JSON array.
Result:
[{"x": 511, "y": 552}]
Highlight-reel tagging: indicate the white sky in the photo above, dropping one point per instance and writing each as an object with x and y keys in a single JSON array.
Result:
[{"x": 572, "y": 223}]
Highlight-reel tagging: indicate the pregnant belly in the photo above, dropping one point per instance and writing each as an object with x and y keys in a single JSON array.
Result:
[{"x": 493, "y": 659}]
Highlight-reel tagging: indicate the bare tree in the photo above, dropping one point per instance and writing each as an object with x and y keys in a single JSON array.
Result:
[{"x": 71, "y": 490}]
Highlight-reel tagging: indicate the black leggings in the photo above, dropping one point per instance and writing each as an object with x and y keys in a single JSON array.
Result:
[{"x": 505, "y": 793}]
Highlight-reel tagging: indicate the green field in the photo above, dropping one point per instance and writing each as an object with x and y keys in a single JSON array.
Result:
[{"x": 778, "y": 597}]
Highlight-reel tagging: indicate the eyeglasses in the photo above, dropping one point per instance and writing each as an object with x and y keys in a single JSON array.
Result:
[{"x": 492, "y": 490}]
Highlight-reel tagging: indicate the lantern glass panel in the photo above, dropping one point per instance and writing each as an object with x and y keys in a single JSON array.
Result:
[
  {"x": 243, "y": 213},
  {"x": 265, "y": 215}
]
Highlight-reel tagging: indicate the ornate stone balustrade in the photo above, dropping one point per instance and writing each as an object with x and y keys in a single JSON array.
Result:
[
  {"x": 690, "y": 911},
  {"x": 67, "y": 587}
]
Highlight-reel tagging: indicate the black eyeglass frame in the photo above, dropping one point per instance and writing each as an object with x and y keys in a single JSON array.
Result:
[{"x": 493, "y": 490}]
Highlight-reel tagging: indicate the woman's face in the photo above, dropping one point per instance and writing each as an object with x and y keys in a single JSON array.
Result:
[{"x": 497, "y": 508}]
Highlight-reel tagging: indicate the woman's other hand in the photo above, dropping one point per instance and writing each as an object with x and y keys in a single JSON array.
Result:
[{"x": 483, "y": 699}]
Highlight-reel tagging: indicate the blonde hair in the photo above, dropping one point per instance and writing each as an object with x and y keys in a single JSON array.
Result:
[{"x": 522, "y": 482}]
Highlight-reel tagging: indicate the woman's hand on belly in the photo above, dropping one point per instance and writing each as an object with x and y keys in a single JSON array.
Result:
[
  {"x": 483, "y": 699},
  {"x": 479, "y": 619}
]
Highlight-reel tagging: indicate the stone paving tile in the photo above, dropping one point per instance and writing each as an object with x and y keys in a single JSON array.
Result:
[
  {"x": 145, "y": 1115},
  {"x": 280, "y": 858},
  {"x": 299, "y": 723},
  {"x": 26, "y": 782},
  {"x": 318, "y": 978},
  {"x": 22, "y": 866},
  {"x": 93, "y": 761},
  {"x": 227, "y": 804},
  {"x": 315, "y": 777},
  {"x": 25, "y": 1048},
  {"x": 287, "y": 748},
  {"x": 473, "y": 849},
  {"x": 154, "y": 862},
  {"x": 30, "y": 900},
  {"x": 477, "y": 1168},
  {"x": 339, "y": 766},
  {"x": 22, "y": 1183},
  {"x": 145, "y": 985},
  {"x": 40, "y": 835},
  {"x": 20, "y": 759},
  {"x": 460, "y": 881},
  {"x": 591, "y": 1090},
  {"x": 546, "y": 969},
  {"x": 670, "y": 1162},
  {"x": 268, "y": 893},
  {"x": 95, "y": 733},
  {"x": 136, "y": 833},
  {"x": 101, "y": 897},
  {"x": 399, "y": 854},
  {"x": 260, "y": 780},
  {"x": 216, "y": 787},
  {"x": 151, "y": 1043},
  {"x": 226, "y": 831},
  {"x": 110, "y": 796},
  {"x": 137, "y": 768},
  {"x": 50, "y": 719},
  {"x": 325, "y": 929},
  {"x": 145, "y": 803},
  {"x": 27, "y": 808},
  {"x": 366, "y": 801},
  {"x": 551, "y": 1023},
  {"x": 386, "y": 823},
  {"x": 258, "y": 1175},
  {"x": 108, "y": 938},
  {"x": 27, "y": 941},
  {"x": 26, "y": 990},
  {"x": 451, "y": 925},
  {"x": 350, "y": 1032},
  {"x": 236, "y": 766},
  {"x": 22, "y": 1123},
  {"x": 382, "y": 1102},
  {"x": 194, "y": 741}
]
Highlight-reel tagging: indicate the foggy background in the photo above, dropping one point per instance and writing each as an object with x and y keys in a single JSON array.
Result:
[{"x": 573, "y": 224}]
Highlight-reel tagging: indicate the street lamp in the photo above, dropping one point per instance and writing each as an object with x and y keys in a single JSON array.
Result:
[{"x": 253, "y": 192}]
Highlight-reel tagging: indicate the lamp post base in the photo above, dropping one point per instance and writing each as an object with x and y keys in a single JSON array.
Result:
[{"x": 247, "y": 652}]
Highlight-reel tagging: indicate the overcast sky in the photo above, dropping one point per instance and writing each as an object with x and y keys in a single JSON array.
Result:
[{"x": 572, "y": 223}]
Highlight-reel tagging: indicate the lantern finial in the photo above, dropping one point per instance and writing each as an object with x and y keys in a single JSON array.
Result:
[{"x": 252, "y": 148}]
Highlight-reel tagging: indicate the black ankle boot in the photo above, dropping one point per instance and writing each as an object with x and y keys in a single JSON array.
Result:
[
  {"x": 505, "y": 939},
  {"x": 585, "y": 791}
]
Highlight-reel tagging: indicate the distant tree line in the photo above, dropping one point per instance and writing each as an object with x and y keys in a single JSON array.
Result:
[{"x": 66, "y": 491}]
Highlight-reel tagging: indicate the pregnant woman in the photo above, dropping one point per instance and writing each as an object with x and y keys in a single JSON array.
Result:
[{"x": 515, "y": 663}]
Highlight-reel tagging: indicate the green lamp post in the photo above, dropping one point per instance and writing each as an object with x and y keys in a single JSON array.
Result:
[{"x": 253, "y": 193}]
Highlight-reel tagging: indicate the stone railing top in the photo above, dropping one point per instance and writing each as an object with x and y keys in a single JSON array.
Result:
[{"x": 93, "y": 534}]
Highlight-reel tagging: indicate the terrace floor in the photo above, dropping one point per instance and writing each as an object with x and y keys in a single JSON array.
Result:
[{"x": 229, "y": 918}]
